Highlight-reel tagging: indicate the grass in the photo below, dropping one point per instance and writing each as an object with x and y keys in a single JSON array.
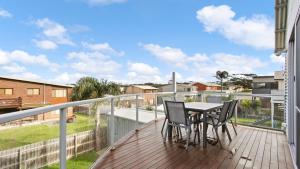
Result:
[
  {"x": 82, "y": 161},
  {"x": 246, "y": 120},
  {"x": 20, "y": 136},
  {"x": 277, "y": 124}
]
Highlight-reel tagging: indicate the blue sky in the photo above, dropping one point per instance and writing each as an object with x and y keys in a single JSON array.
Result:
[{"x": 134, "y": 41}]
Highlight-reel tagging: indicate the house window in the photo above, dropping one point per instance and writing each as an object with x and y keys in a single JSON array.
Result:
[
  {"x": 33, "y": 91},
  {"x": 6, "y": 91},
  {"x": 59, "y": 93}
]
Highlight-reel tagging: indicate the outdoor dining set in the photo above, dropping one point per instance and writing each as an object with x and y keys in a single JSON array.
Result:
[{"x": 194, "y": 116}]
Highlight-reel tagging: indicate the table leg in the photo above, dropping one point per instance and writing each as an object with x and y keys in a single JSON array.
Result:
[{"x": 204, "y": 130}]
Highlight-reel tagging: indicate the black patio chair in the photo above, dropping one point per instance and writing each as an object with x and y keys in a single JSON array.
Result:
[
  {"x": 231, "y": 113},
  {"x": 178, "y": 117},
  {"x": 165, "y": 98},
  {"x": 220, "y": 120}
]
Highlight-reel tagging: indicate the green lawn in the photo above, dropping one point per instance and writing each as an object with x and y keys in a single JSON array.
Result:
[
  {"x": 245, "y": 120},
  {"x": 82, "y": 161},
  {"x": 277, "y": 124},
  {"x": 20, "y": 136}
]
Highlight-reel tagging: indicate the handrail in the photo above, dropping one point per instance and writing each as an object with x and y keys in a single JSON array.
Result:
[
  {"x": 31, "y": 112},
  {"x": 63, "y": 111}
]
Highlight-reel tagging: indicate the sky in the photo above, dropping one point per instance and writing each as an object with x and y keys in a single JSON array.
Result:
[{"x": 136, "y": 41}]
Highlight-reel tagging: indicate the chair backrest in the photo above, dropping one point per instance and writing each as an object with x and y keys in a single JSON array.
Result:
[
  {"x": 231, "y": 109},
  {"x": 176, "y": 112},
  {"x": 166, "y": 98},
  {"x": 224, "y": 111}
]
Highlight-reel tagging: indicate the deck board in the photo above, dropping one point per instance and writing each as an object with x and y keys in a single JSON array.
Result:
[{"x": 255, "y": 148}]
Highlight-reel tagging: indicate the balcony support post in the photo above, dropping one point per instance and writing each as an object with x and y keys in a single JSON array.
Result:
[
  {"x": 155, "y": 107},
  {"x": 63, "y": 138},
  {"x": 272, "y": 113},
  {"x": 235, "y": 113},
  {"x": 136, "y": 113},
  {"x": 112, "y": 124}
]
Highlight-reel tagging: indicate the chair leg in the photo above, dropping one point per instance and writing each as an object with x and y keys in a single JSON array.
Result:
[
  {"x": 162, "y": 129},
  {"x": 228, "y": 134},
  {"x": 166, "y": 133},
  {"x": 197, "y": 133},
  {"x": 216, "y": 130},
  {"x": 188, "y": 138},
  {"x": 180, "y": 134},
  {"x": 233, "y": 127}
]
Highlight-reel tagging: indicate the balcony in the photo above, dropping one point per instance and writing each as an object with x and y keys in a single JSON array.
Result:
[
  {"x": 124, "y": 132},
  {"x": 252, "y": 147}
]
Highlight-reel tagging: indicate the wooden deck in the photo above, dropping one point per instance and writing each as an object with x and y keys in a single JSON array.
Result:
[{"x": 254, "y": 148}]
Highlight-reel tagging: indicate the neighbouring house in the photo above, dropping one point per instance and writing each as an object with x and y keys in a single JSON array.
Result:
[
  {"x": 19, "y": 94},
  {"x": 206, "y": 86},
  {"x": 269, "y": 84},
  {"x": 149, "y": 99},
  {"x": 181, "y": 87},
  {"x": 235, "y": 88}
]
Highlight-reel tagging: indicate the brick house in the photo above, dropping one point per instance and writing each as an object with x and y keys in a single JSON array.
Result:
[
  {"x": 206, "y": 86},
  {"x": 20, "y": 94},
  {"x": 148, "y": 97}
]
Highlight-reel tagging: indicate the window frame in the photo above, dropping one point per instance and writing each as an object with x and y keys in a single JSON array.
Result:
[
  {"x": 55, "y": 95},
  {"x": 5, "y": 93},
  {"x": 33, "y": 93}
]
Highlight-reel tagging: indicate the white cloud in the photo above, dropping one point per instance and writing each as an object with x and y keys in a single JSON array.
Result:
[
  {"x": 54, "y": 31},
  {"x": 142, "y": 72},
  {"x": 5, "y": 14},
  {"x": 27, "y": 76},
  {"x": 103, "y": 48},
  {"x": 142, "y": 68},
  {"x": 167, "y": 54},
  {"x": 234, "y": 64},
  {"x": 45, "y": 44},
  {"x": 237, "y": 63},
  {"x": 4, "y": 59},
  {"x": 67, "y": 78},
  {"x": 257, "y": 31},
  {"x": 198, "y": 58},
  {"x": 23, "y": 57},
  {"x": 200, "y": 66},
  {"x": 173, "y": 56},
  {"x": 13, "y": 68},
  {"x": 93, "y": 62},
  {"x": 104, "y": 2},
  {"x": 278, "y": 59}
]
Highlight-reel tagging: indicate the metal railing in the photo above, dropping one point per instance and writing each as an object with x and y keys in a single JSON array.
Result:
[{"x": 150, "y": 102}]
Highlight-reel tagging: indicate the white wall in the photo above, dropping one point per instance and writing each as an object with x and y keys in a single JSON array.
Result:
[{"x": 293, "y": 8}]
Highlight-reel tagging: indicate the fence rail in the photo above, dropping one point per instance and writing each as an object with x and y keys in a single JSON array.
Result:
[{"x": 44, "y": 153}]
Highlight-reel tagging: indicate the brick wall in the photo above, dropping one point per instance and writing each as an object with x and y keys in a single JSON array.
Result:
[{"x": 44, "y": 97}]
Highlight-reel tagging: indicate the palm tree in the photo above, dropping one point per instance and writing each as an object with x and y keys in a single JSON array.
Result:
[
  {"x": 89, "y": 88},
  {"x": 221, "y": 75}
]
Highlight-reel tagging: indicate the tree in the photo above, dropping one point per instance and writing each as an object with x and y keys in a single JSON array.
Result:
[
  {"x": 244, "y": 80},
  {"x": 89, "y": 88},
  {"x": 221, "y": 75}
]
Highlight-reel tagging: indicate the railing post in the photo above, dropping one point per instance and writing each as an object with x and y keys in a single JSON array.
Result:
[
  {"x": 236, "y": 113},
  {"x": 112, "y": 122},
  {"x": 136, "y": 112},
  {"x": 155, "y": 107},
  {"x": 62, "y": 138},
  {"x": 272, "y": 113}
]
